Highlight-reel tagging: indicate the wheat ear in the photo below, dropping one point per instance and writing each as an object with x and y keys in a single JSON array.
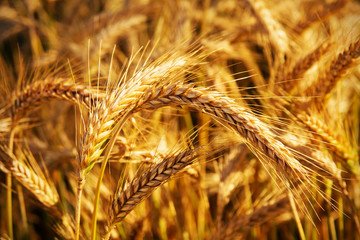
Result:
[
  {"x": 338, "y": 68},
  {"x": 37, "y": 91},
  {"x": 38, "y": 186},
  {"x": 140, "y": 188},
  {"x": 241, "y": 119},
  {"x": 277, "y": 34},
  {"x": 303, "y": 65},
  {"x": 339, "y": 146}
]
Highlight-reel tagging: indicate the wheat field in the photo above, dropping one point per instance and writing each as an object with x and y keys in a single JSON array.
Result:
[{"x": 179, "y": 119}]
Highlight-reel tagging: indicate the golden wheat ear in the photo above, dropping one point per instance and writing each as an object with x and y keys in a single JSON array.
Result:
[
  {"x": 256, "y": 133},
  {"x": 34, "y": 93},
  {"x": 277, "y": 35},
  {"x": 37, "y": 185},
  {"x": 339, "y": 67},
  {"x": 295, "y": 74},
  {"x": 337, "y": 144},
  {"x": 141, "y": 187}
]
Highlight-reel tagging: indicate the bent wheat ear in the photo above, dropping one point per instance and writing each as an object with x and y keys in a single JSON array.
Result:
[
  {"x": 37, "y": 91},
  {"x": 140, "y": 188},
  {"x": 242, "y": 120},
  {"x": 35, "y": 184}
]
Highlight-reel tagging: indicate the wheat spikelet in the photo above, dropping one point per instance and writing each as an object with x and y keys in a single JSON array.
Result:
[
  {"x": 38, "y": 186},
  {"x": 140, "y": 188},
  {"x": 104, "y": 117}
]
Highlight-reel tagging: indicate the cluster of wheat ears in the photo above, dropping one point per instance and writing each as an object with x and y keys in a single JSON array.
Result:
[{"x": 182, "y": 119}]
